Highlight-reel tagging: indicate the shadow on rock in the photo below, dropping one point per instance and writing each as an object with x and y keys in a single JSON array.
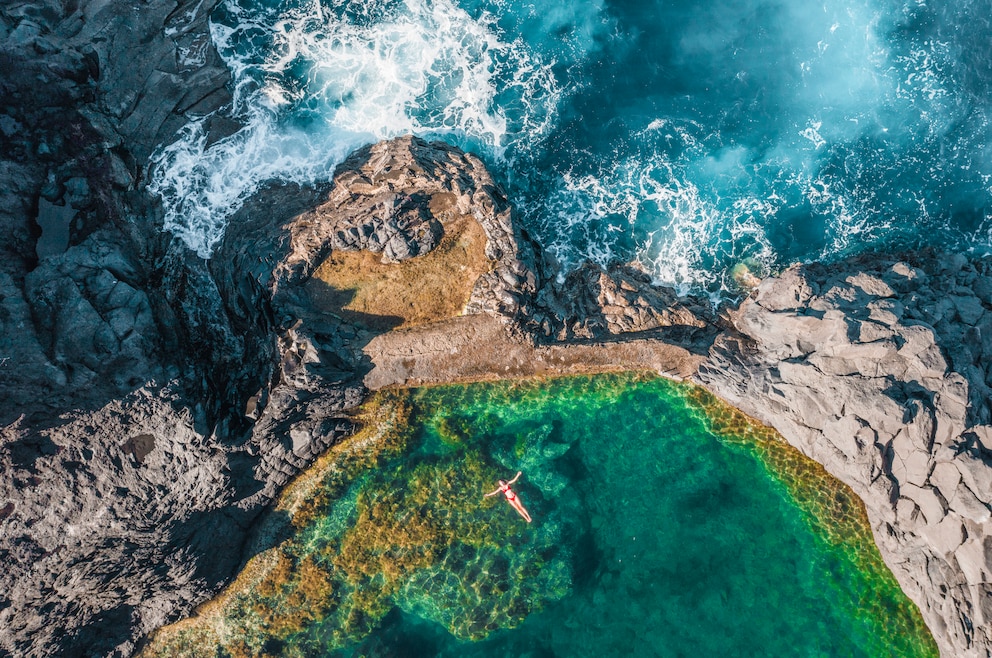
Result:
[
  {"x": 879, "y": 367},
  {"x": 101, "y": 636}
]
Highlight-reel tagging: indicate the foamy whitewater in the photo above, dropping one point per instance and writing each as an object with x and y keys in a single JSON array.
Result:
[{"x": 688, "y": 136}]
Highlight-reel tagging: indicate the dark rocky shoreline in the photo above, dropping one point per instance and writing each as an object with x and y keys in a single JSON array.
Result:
[{"x": 152, "y": 403}]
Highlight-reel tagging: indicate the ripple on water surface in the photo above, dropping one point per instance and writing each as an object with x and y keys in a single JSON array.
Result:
[{"x": 664, "y": 524}]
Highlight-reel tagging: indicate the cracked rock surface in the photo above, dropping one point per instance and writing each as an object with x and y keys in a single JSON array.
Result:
[
  {"x": 879, "y": 369},
  {"x": 152, "y": 404}
]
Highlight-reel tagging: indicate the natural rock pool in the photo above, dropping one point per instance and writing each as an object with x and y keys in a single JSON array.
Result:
[{"x": 665, "y": 524}]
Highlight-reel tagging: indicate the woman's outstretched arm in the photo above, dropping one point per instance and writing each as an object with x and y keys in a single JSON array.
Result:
[
  {"x": 515, "y": 477},
  {"x": 492, "y": 493}
]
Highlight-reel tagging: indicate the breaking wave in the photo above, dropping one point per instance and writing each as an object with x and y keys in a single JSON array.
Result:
[
  {"x": 314, "y": 80},
  {"x": 688, "y": 137}
]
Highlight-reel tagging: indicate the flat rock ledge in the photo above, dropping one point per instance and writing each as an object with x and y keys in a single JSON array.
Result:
[{"x": 879, "y": 369}]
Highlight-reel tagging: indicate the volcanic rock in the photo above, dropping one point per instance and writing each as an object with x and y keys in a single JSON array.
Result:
[{"x": 152, "y": 403}]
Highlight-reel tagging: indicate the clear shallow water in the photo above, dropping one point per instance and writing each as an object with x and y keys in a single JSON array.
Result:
[
  {"x": 658, "y": 531},
  {"x": 691, "y": 136}
]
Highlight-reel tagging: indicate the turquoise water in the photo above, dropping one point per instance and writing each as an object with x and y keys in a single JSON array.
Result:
[
  {"x": 652, "y": 536},
  {"x": 678, "y": 544},
  {"x": 691, "y": 136}
]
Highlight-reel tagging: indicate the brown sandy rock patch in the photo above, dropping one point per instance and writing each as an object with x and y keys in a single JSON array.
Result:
[{"x": 433, "y": 286}]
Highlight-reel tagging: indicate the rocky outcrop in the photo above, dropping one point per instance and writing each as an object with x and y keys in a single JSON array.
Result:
[
  {"x": 114, "y": 481},
  {"x": 390, "y": 198},
  {"x": 879, "y": 369},
  {"x": 89, "y": 89},
  {"x": 591, "y": 302}
]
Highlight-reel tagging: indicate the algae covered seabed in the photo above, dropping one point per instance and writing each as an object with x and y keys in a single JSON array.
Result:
[{"x": 665, "y": 524}]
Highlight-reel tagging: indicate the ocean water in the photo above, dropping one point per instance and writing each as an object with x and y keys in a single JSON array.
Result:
[
  {"x": 689, "y": 136},
  {"x": 664, "y": 524}
]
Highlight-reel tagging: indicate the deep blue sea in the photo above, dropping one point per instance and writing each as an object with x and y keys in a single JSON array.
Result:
[{"x": 691, "y": 136}]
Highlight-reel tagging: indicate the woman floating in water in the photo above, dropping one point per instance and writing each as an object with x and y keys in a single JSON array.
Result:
[{"x": 511, "y": 497}]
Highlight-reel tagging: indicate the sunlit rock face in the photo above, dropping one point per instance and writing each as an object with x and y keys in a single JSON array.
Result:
[
  {"x": 153, "y": 403},
  {"x": 877, "y": 368}
]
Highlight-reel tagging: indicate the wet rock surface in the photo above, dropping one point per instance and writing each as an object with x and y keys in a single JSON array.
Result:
[
  {"x": 594, "y": 303},
  {"x": 158, "y": 401},
  {"x": 878, "y": 368},
  {"x": 89, "y": 89},
  {"x": 114, "y": 483}
]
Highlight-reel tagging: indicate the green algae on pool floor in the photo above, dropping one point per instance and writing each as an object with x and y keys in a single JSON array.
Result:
[{"x": 664, "y": 524}]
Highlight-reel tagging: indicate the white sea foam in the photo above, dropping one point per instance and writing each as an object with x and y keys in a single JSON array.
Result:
[
  {"x": 647, "y": 207},
  {"x": 855, "y": 133},
  {"x": 696, "y": 242},
  {"x": 812, "y": 133},
  {"x": 312, "y": 85}
]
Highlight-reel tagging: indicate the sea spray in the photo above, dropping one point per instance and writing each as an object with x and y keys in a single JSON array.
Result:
[{"x": 771, "y": 133}]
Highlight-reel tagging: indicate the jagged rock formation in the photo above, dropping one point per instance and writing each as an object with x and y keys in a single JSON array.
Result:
[
  {"x": 89, "y": 89},
  {"x": 114, "y": 484},
  {"x": 879, "y": 369},
  {"x": 391, "y": 198},
  {"x": 593, "y": 303}
]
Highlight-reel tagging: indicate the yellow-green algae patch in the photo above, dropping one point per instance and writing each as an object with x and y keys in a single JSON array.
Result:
[
  {"x": 395, "y": 518},
  {"x": 285, "y": 587},
  {"x": 368, "y": 534}
]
